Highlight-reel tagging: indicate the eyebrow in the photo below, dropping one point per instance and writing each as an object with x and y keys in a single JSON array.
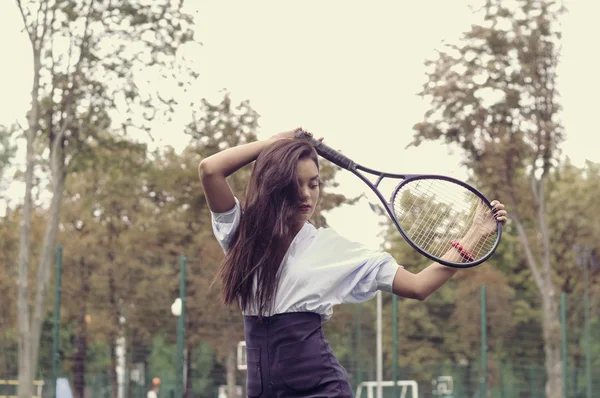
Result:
[{"x": 315, "y": 178}]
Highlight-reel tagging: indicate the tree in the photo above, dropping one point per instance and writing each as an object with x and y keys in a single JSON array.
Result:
[
  {"x": 511, "y": 143},
  {"x": 7, "y": 151},
  {"x": 104, "y": 46},
  {"x": 8, "y": 249},
  {"x": 102, "y": 204}
]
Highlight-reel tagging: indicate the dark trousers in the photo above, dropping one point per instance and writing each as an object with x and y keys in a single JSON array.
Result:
[{"x": 288, "y": 356}]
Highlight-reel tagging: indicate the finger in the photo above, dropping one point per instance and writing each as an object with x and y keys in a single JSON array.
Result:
[
  {"x": 320, "y": 139},
  {"x": 494, "y": 203},
  {"x": 501, "y": 215}
]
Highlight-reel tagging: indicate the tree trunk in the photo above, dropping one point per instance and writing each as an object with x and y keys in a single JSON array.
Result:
[
  {"x": 551, "y": 315},
  {"x": 79, "y": 360},
  {"x": 113, "y": 335},
  {"x": 26, "y": 364},
  {"x": 551, "y": 329},
  {"x": 47, "y": 256},
  {"x": 552, "y": 348}
]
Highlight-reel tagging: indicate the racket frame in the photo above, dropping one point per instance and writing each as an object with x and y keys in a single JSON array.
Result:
[{"x": 348, "y": 164}]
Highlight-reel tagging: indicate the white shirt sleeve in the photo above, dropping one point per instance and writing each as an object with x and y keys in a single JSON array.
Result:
[
  {"x": 225, "y": 224},
  {"x": 378, "y": 274},
  {"x": 339, "y": 271}
]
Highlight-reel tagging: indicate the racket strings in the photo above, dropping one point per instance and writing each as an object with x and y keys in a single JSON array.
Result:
[
  {"x": 453, "y": 226},
  {"x": 440, "y": 237},
  {"x": 422, "y": 230},
  {"x": 433, "y": 213},
  {"x": 423, "y": 233}
]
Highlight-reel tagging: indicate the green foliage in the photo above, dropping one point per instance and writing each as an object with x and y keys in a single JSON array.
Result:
[
  {"x": 106, "y": 50},
  {"x": 203, "y": 366},
  {"x": 88, "y": 58},
  {"x": 162, "y": 357},
  {"x": 494, "y": 96},
  {"x": 8, "y": 150},
  {"x": 7, "y": 147},
  {"x": 126, "y": 216}
]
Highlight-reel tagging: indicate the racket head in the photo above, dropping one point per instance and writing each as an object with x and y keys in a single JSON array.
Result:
[{"x": 434, "y": 212}]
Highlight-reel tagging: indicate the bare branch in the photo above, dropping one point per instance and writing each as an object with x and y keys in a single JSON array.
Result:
[
  {"x": 69, "y": 101},
  {"x": 37, "y": 21},
  {"x": 32, "y": 38},
  {"x": 45, "y": 25},
  {"x": 533, "y": 181}
]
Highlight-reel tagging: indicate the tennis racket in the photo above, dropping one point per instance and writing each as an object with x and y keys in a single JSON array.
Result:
[{"x": 444, "y": 219}]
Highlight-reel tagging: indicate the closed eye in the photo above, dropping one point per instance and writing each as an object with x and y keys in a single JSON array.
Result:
[{"x": 315, "y": 182}]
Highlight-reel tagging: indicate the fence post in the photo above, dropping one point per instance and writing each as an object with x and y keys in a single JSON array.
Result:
[
  {"x": 588, "y": 348},
  {"x": 586, "y": 258},
  {"x": 532, "y": 381},
  {"x": 358, "y": 346},
  {"x": 483, "y": 344},
  {"x": 180, "y": 366},
  {"x": 56, "y": 319}
]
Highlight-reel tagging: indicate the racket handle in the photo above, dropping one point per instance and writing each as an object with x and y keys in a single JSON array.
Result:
[{"x": 327, "y": 152}]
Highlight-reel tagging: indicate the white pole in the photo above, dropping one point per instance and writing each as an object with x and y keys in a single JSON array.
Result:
[{"x": 379, "y": 347}]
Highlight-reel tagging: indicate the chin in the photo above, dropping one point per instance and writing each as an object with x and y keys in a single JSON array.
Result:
[{"x": 304, "y": 218}]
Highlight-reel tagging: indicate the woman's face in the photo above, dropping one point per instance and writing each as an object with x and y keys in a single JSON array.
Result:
[{"x": 307, "y": 174}]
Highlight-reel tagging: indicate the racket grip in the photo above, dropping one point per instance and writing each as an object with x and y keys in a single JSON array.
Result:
[{"x": 327, "y": 152}]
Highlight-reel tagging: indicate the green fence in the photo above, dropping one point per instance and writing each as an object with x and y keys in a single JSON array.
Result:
[{"x": 110, "y": 330}]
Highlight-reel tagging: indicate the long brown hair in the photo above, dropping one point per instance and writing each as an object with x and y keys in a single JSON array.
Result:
[{"x": 267, "y": 226}]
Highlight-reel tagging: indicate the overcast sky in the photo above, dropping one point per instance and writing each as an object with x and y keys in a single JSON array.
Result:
[{"x": 348, "y": 71}]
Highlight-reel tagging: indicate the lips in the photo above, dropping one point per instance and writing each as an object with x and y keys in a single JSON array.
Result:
[{"x": 304, "y": 208}]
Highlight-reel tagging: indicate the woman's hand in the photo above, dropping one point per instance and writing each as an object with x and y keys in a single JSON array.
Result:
[{"x": 485, "y": 224}]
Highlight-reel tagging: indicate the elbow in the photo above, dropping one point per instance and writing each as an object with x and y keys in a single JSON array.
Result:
[
  {"x": 205, "y": 169},
  {"x": 419, "y": 292},
  {"x": 412, "y": 294},
  {"x": 421, "y": 296},
  {"x": 422, "y": 292}
]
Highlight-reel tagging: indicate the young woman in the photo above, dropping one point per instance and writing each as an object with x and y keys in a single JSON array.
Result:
[{"x": 286, "y": 275}]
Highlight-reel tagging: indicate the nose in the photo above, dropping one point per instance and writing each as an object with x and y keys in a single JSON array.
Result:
[{"x": 304, "y": 193}]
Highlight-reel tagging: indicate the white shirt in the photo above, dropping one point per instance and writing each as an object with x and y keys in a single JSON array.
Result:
[{"x": 320, "y": 270}]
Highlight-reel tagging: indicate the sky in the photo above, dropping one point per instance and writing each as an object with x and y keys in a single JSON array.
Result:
[{"x": 346, "y": 71}]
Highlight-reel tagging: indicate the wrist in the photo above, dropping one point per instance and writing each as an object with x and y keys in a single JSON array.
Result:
[
  {"x": 470, "y": 240},
  {"x": 464, "y": 246},
  {"x": 260, "y": 146}
]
